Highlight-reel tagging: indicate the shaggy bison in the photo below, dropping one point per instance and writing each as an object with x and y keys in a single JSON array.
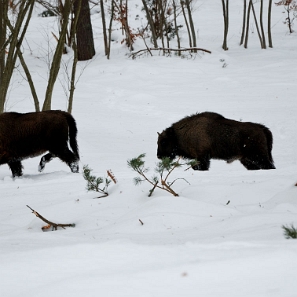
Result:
[
  {"x": 209, "y": 135},
  {"x": 31, "y": 134}
]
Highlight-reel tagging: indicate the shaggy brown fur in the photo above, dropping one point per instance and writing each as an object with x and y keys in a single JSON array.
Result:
[
  {"x": 31, "y": 134},
  {"x": 208, "y": 135}
]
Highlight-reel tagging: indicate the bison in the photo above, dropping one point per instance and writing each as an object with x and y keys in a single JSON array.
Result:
[
  {"x": 25, "y": 135},
  {"x": 208, "y": 135}
]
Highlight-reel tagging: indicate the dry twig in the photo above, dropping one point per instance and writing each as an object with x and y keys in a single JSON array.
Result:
[
  {"x": 190, "y": 49},
  {"x": 49, "y": 223}
]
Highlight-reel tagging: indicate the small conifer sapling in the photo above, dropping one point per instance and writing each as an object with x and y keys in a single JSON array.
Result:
[
  {"x": 97, "y": 184},
  {"x": 164, "y": 168},
  {"x": 290, "y": 232}
]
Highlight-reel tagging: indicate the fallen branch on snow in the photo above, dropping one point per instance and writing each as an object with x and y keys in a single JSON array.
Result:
[
  {"x": 49, "y": 223},
  {"x": 148, "y": 50}
]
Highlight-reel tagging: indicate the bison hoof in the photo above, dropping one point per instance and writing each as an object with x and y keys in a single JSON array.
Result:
[
  {"x": 195, "y": 167},
  {"x": 74, "y": 167},
  {"x": 40, "y": 167}
]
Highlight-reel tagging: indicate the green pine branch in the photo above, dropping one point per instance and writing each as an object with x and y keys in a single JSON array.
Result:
[
  {"x": 290, "y": 232},
  {"x": 164, "y": 168},
  {"x": 94, "y": 183}
]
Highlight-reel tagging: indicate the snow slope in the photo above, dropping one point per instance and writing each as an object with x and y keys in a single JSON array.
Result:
[{"x": 196, "y": 244}]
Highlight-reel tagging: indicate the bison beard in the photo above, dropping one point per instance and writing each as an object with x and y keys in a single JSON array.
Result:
[
  {"x": 31, "y": 134},
  {"x": 208, "y": 135}
]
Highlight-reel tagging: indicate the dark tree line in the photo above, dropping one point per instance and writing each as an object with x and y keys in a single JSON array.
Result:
[{"x": 164, "y": 18}]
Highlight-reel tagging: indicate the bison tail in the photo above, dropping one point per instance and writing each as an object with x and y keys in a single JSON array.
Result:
[
  {"x": 72, "y": 134},
  {"x": 269, "y": 139}
]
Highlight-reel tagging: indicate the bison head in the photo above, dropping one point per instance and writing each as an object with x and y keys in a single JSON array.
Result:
[{"x": 167, "y": 144}]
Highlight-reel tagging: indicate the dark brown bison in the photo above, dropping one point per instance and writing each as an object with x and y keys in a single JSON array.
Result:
[
  {"x": 31, "y": 134},
  {"x": 209, "y": 135}
]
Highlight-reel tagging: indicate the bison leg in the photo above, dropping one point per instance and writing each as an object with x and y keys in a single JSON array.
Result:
[
  {"x": 249, "y": 164},
  {"x": 69, "y": 158},
  {"x": 45, "y": 159},
  {"x": 16, "y": 168},
  {"x": 266, "y": 164},
  {"x": 203, "y": 164},
  {"x": 257, "y": 163}
]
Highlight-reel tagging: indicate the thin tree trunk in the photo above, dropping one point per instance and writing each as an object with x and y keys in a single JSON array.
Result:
[
  {"x": 55, "y": 67},
  {"x": 226, "y": 22},
  {"x": 3, "y": 13},
  {"x": 30, "y": 80},
  {"x": 75, "y": 57},
  {"x": 191, "y": 24},
  {"x": 261, "y": 26},
  {"x": 151, "y": 23},
  {"x": 257, "y": 26},
  {"x": 247, "y": 24},
  {"x": 243, "y": 22},
  {"x": 104, "y": 28},
  {"x": 269, "y": 24},
  {"x": 160, "y": 12},
  {"x": 187, "y": 24},
  {"x": 289, "y": 19},
  {"x": 176, "y": 27},
  {"x": 110, "y": 28}
]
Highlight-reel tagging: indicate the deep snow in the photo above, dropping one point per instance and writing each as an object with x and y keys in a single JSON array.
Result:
[{"x": 192, "y": 245}]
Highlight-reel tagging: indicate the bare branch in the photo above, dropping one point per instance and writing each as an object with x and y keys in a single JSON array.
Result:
[
  {"x": 49, "y": 223},
  {"x": 190, "y": 49}
]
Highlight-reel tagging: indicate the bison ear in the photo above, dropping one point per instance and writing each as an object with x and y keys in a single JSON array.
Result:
[{"x": 159, "y": 133}]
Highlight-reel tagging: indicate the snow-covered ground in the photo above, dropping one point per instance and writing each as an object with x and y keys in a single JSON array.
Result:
[{"x": 196, "y": 244}]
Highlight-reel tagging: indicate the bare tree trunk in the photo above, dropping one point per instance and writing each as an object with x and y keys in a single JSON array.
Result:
[
  {"x": 261, "y": 25},
  {"x": 191, "y": 24},
  {"x": 55, "y": 67},
  {"x": 269, "y": 24},
  {"x": 176, "y": 27},
  {"x": 257, "y": 26},
  {"x": 160, "y": 13},
  {"x": 187, "y": 24},
  {"x": 84, "y": 32},
  {"x": 104, "y": 28},
  {"x": 226, "y": 22},
  {"x": 247, "y": 24},
  {"x": 151, "y": 23},
  {"x": 3, "y": 14},
  {"x": 243, "y": 22},
  {"x": 75, "y": 57},
  {"x": 30, "y": 80},
  {"x": 128, "y": 36},
  {"x": 110, "y": 28}
]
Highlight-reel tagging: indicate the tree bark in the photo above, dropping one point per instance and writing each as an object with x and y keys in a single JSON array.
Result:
[{"x": 84, "y": 32}]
